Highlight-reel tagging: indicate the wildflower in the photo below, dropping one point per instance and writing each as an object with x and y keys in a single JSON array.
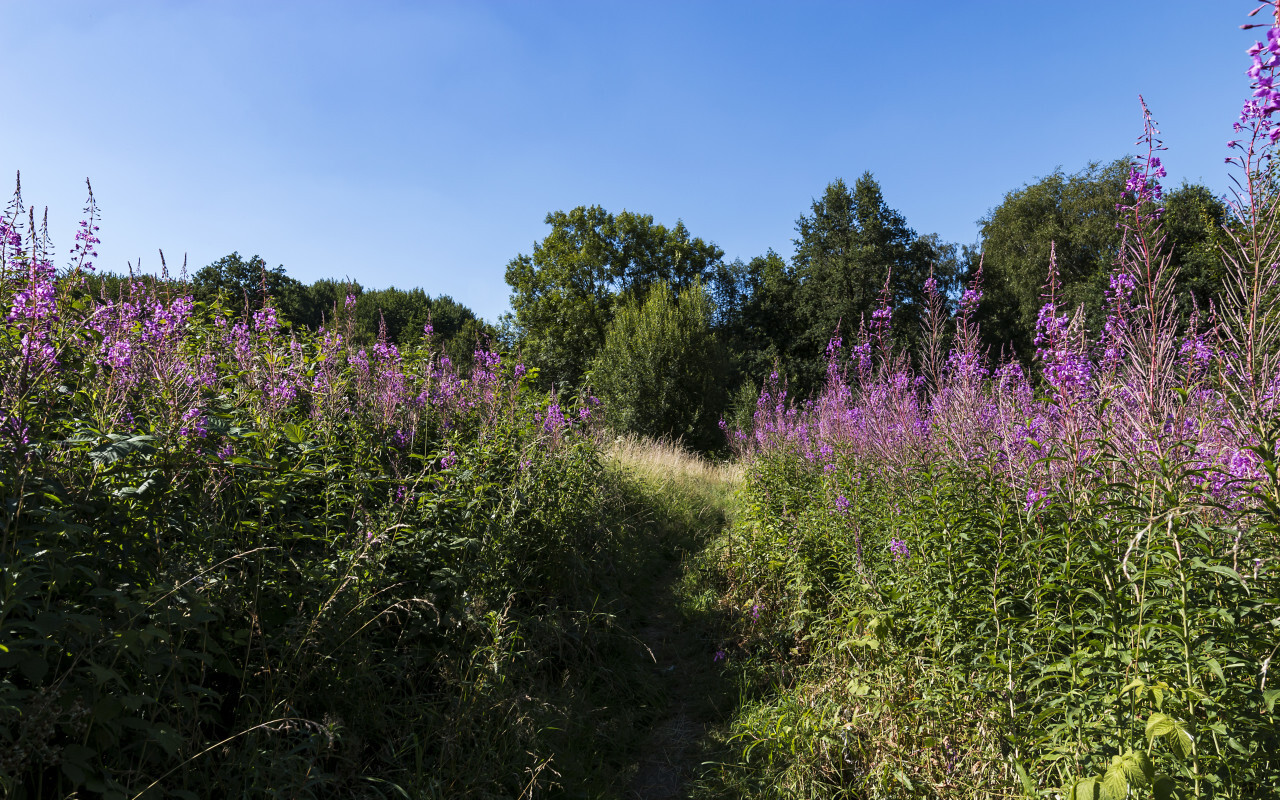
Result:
[
  {"x": 1035, "y": 498},
  {"x": 194, "y": 423},
  {"x": 720, "y": 656},
  {"x": 899, "y": 549}
]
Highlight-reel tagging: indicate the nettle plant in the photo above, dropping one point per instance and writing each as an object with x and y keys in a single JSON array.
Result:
[
  {"x": 1066, "y": 583},
  {"x": 237, "y": 558}
]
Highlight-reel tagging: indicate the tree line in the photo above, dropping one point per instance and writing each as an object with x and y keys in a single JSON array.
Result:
[
  {"x": 243, "y": 285},
  {"x": 674, "y": 338}
]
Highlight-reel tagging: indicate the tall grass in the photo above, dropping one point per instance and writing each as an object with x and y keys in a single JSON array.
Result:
[
  {"x": 242, "y": 560},
  {"x": 963, "y": 583}
]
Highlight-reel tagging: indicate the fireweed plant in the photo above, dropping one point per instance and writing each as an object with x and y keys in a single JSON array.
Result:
[
  {"x": 968, "y": 581},
  {"x": 238, "y": 560}
]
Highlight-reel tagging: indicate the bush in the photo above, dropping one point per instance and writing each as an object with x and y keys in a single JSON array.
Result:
[{"x": 661, "y": 370}]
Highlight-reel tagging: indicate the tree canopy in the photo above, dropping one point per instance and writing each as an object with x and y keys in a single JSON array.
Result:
[
  {"x": 849, "y": 248},
  {"x": 563, "y": 296},
  {"x": 239, "y": 282},
  {"x": 661, "y": 370},
  {"x": 1076, "y": 214}
]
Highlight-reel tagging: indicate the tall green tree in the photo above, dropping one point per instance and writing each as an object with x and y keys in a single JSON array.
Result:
[
  {"x": 326, "y": 301},
  {"x": 403, "y": 315},
  {"x": 661, "y": 370},
  {"x": 1076, "y": 214},
  {"x": 563, "y": 296},
  {"x": 1194, "y": 220},
  {"x": 756, "y": 315},
  {"x": 847, "y": 249},
  {"x": 240, "y": 282}
]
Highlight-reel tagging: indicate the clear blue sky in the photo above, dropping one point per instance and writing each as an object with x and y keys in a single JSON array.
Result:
[{"x": 422, "y": 143}]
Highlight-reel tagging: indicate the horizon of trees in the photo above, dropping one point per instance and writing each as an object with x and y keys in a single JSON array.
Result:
[
  {"x": 590, "y": 278},
  {"x": 852, "y": 252}
]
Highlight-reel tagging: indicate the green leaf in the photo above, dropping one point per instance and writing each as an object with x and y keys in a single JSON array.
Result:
[
  {"x": 1158, "y": 725},
  {"x": 1115, "y": 783},
  {"x": 1163, "y": 726},
  {"x": 1228, "y": 572},
  {"x": 1165, "y": 788},
  {"x": 113, "y": 451},
  {"x": 1028, "y": 785},
  {"x": 1138, "y": 768},
  {"x": 1085, "y": 789},
  {"x": 1136, "y": 683},
  {"x": 1216, "y": 669},
  {"x": 136, "y": 491}
]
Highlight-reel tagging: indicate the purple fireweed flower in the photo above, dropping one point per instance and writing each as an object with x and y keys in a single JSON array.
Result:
[
  {"x": 1036, "y": 498},
  {"x": 553, "y": 421},
  {"x": 194, "y": 423},
  {"x": 265, "y": 319},
  {"x": 37, "y": 300},
  {"x": 14, "y": 432}
]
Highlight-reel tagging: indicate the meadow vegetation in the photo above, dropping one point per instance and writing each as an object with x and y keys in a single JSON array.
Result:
[
  {"x": 952, "y": 581},
  {"x": 1009, "y": 536},
  {"x": 240, "y": 559}
]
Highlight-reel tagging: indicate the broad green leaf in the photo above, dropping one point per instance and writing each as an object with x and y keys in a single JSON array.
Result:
[
  {"x": 1115, "y": 783},
  {"x": 1165, "y": 788},
  {"x": 113, "y": 451},
  {"x": 1085, "y": 789},
  {"x": 293, "y": 433}
]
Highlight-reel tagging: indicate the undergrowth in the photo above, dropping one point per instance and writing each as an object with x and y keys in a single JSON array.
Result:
[
  {"x": 240, "y": 560},
  {"x": 954, "y": 582}
]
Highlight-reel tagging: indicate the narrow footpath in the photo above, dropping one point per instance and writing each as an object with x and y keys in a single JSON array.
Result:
[
  {"x": 681, "y": 504},
  {"x": 684, "y": 660}
]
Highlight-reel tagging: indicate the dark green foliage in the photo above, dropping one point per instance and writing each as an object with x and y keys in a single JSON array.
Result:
[
  {"x": 250, "y": 284},
  {"x": 564, "y": 294},
  {"x": 1194, "y": 222},
  {"x": 850, "y": 250},
  {"x": 756, "y": 315},
  {"x": 325, "y": 301},
  {"x": 402, "y": 315},
  {"x": 1118, "y": 635},
  {"x": 661, "y": 370},
  {"x": 1077, "y": 214}
]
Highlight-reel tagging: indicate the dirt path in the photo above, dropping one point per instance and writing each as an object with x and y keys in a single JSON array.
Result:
[{"x": 684, "y": 660}]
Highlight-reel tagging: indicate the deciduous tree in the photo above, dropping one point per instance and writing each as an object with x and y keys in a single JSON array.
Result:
[
  {"x": 564, "y": 294},
  {"x": 661, "y": 370}
]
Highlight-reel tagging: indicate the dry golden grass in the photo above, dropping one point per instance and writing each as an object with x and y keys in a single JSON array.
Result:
[{"x": 664, "y": 461}]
